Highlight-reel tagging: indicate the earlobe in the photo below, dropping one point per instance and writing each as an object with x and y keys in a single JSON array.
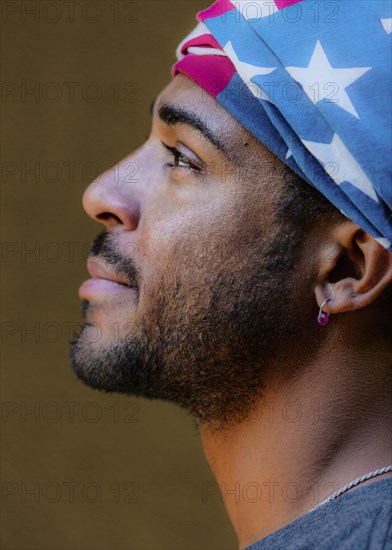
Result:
[{"x": 358, "y": 270}]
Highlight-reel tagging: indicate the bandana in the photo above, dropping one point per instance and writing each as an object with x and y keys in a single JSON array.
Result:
[{"x": 311, "y": 81}]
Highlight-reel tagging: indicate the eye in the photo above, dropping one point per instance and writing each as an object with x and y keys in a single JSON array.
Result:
[{"x": 179, "y": 159}]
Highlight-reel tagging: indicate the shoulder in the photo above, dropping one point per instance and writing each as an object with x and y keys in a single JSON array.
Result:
[{"x": 359, "y": 520}]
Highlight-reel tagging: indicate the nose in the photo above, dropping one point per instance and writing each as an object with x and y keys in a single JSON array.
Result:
[{"x": 112, "y": 198}]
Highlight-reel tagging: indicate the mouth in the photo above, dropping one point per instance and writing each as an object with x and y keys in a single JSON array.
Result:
[{"x": 103, "y": 282}]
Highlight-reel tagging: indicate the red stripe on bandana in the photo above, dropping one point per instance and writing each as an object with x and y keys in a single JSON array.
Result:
[
  {"x": 212, "y": 73},
  {"x": 280, "y": 4},
  {"x": 216, "y": 10},
  {"x": 201, "y": 41}
]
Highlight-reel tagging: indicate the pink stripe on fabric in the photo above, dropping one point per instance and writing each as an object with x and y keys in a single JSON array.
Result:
[
  {"x": 280, "y": 4},
  {"x": 213, "y": 73},
  {"x": 216, "y": 10},
  {"x": 203, "y": 40}
]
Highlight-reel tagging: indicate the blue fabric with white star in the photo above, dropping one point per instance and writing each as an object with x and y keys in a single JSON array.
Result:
[{"x": 313, "y": 83}]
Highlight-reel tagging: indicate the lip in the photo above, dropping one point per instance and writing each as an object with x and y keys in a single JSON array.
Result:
[
  {"x": 103, "y": 282},
  {"x": 101, "y": 288},
  {"x": 98, "y": 270}
]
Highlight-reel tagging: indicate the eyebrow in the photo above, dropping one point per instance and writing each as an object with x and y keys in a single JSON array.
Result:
[{"x": 172, "y": 115}]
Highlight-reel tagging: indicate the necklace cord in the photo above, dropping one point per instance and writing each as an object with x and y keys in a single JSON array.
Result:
[{"x": 357, "y": 481}]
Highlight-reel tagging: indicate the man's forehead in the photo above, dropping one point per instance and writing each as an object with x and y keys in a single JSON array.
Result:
[{"x": 184, "y": 93}]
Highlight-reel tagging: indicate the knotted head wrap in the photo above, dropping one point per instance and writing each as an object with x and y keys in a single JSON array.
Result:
[{"x": 312, "y": 82}]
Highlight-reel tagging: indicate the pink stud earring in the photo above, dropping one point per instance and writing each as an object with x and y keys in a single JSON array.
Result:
[{"x": 323, "y": 317}]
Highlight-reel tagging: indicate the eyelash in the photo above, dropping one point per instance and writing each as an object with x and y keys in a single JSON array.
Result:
[{"x": 178, "y": 156}]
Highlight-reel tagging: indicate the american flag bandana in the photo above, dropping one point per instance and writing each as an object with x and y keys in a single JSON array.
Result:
[{"x": 311, "y": 80}]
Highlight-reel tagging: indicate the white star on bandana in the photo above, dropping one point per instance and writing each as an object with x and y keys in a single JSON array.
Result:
[
  {"x": 322, "y": 81},
  {"x": 348, "y": 168}
]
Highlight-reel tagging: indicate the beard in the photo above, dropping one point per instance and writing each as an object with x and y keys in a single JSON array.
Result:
[{"x": 207, "y": 346}]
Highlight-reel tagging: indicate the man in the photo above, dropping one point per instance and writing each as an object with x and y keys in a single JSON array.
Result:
[{"x": 245, "y": 271}]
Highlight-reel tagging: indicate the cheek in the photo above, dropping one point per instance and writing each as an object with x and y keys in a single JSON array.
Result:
[
  {"x": 197, "y": 232},
  {"x": 185, "y": 241}
]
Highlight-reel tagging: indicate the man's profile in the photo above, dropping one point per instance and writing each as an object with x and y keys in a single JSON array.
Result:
[{"x": 247, "y": 268}]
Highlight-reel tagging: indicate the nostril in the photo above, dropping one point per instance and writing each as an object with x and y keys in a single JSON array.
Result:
[{"x": 105, "y": 216}]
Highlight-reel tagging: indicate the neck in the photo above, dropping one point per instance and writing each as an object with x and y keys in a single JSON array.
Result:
[{"x": 305, "y": 439}]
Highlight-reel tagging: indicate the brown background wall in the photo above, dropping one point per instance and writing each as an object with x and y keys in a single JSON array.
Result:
[{"x": 108, "y": 472}]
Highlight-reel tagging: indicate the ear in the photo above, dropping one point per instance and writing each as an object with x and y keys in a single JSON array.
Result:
[{"x": 353, "y": 269}]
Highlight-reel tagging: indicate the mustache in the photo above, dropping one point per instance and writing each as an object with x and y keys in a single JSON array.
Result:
[{"x": 105, "y": 247}]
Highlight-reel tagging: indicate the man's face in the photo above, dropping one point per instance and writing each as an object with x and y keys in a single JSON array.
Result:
[{"x": 194, "y": 236}]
